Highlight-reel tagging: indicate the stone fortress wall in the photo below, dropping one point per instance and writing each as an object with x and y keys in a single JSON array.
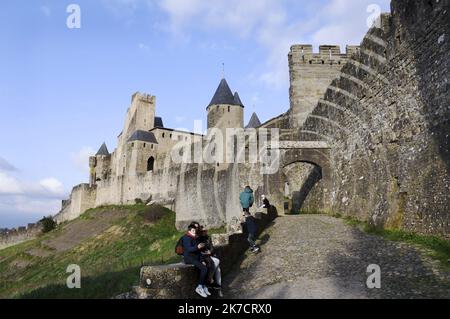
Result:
[
  {"x": 10, "y": 237},
  {"x": 382, "y": 109},
  {"x": 386, "y": 118}
]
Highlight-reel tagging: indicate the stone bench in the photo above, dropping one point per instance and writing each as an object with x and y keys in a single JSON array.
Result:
[
  {"x": 178, "y": 281},
  {"x": 175, "y": 281}
]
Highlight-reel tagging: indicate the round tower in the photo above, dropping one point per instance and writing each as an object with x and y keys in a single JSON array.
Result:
[{"x": 225, "y": 110}]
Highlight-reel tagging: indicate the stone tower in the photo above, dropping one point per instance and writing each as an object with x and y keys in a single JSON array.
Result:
[
  {"x": 311, "y": 74},
  {"x": 140, "y": 115},
  {"x": 99, "y": 165},
  {"x": 226, "y": 109}
]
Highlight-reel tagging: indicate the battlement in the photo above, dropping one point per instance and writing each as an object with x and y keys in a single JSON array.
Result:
[
  {"x": 327, "y": 53},
  {"x": 9, "y": 237},
  {"x": 143, "y": 97}
]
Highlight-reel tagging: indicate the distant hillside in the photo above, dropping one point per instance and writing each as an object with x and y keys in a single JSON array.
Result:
[{"x": 109, "y": 244}]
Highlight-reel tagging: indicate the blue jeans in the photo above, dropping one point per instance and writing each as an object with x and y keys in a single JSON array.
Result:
[
  {"x": 251, "y": 240},
  {"x": 203, "y": 269}
]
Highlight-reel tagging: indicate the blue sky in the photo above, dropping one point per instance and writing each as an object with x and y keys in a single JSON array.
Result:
[{"x": 65, "y": 91}]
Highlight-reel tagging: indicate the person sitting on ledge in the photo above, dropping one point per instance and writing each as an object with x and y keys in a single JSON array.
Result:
[
  {"x": 192, "y": 256},
  {"x": 266, "y": 203},
  {"x": 214, "y": 277}
]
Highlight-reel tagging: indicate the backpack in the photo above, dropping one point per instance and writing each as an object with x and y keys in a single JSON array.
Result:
[{"x": 179, "y": 250}]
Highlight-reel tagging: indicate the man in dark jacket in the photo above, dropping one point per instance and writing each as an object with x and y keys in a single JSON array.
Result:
[
  {"x": 192, "y": 256},
  {"x": 252, "y": 230}
]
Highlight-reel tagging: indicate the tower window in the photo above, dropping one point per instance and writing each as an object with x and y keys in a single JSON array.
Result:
[
  {"x": 144, "y": 145},
  {"x": 152, "y": 146},
  {"x": 228, "y": 109},
  {"x": 163, "y": 135},
  {"x": 132, "y": 144},
  {"x": 150, "y": 164}
]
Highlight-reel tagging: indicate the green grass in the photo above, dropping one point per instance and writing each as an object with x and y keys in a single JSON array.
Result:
[{"x": 109, "y": 262}]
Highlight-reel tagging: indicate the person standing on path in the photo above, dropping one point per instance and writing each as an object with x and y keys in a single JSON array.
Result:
[{"x": 247, "y": 199}]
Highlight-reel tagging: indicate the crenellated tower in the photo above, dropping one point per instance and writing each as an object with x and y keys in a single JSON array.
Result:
[{"x": 311, "y": 74}]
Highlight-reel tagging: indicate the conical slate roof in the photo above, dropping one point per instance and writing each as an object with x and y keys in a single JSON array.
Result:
[
  {"x": 254, "y": 122},
  {"x": 103, "y": 150},
  {"x": 143, "y": 136},
  {"x": 237, "y": 99},
  {"x": 223, "y": 94},
  {"x": 159, "y": 122}
]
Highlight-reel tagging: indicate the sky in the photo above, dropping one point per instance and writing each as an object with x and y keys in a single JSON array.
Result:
[{"x": 64, "y": 91}]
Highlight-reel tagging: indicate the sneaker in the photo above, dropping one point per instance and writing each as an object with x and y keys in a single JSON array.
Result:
[
  {"x": 220, "y": 293},
  {"x": 206, "y": 291},
  {"x": 256, "y": 250},
  {"x": 216, "y": 286},
  {"x": 201, "y": 292}
]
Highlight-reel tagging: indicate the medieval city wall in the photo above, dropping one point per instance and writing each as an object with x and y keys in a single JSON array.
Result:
[
  {"x": 387, "y": 120},
  {"x": 10, "y": 237}
]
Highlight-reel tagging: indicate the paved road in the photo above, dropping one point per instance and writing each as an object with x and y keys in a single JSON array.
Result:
[{"x": 314, "y": 256}]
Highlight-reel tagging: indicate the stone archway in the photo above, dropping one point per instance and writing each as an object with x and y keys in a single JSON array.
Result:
[
  {"x": 303, "y": 188},
  {"x": 306, "y": 168}
]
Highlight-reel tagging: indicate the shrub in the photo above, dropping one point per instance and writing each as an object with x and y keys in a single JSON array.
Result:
[
  {"x": 48, "y": 224},
  {"x": 153, "y": 213}
]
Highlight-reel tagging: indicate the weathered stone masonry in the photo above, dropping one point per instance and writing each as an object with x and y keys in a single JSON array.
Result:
[
  {"x": 381, "y": 110},
  {"x": 387, "y": 120}
]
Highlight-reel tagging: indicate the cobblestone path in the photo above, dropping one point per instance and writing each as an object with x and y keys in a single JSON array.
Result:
[{"x": 313, "y": 256}]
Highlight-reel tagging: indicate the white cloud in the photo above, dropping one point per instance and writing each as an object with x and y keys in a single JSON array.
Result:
[
  {"x": 338, "y": 22},
  {"x": 344, "y": 21},
  {"x": 24, "y": 204},
  {"x": 24, "y": 200},
  {"x": 9, "y": 184},
  {"x": 80, "y": 159},
  {"x": 53, "y": 186},
  {"x": 19, "y": 210},
  {"x": 46, "y": 188},
  {"x": 6, "y": 166},
  {"x": 46, "y": 10}
]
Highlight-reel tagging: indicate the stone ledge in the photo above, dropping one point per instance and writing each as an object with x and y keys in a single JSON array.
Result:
[{"x": 178, "y": 281}]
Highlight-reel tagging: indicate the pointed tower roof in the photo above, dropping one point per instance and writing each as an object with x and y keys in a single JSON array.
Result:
[
  {"x": 159, "y": 122},
  {"x": 254, "y": 121},
  {"x": 103, "y": 150},
  {"x": 223, "y": 94},
  {"x": 237, "y": 99}
]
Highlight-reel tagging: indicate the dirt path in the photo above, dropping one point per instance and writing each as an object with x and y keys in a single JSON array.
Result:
[
  {"x": 80, "y": 230},
  {"x": 315, "y": 256}
]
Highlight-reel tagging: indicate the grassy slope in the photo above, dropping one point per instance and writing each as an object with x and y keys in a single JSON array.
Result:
[{"x": 109, "y": 262}]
